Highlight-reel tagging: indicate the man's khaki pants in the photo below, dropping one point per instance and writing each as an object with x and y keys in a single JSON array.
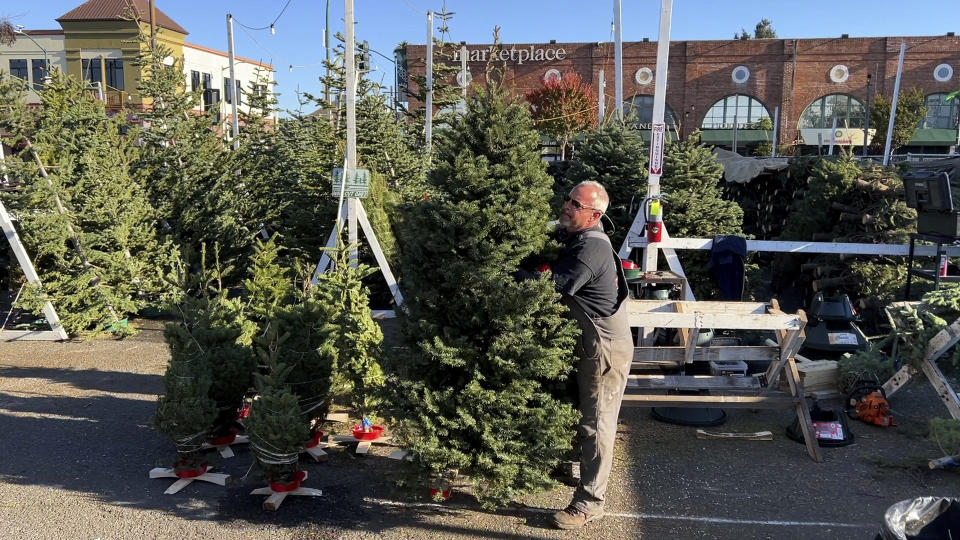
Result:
[{"x": 606, "y": 351}]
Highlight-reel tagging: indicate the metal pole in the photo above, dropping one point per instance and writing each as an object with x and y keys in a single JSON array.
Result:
[
  {"x": 736, "y": 111},
  {"x": 326, "y": 45},
  {"x": 660, "y": 84},
  {"x": 463, "y": 69},
  {"x": 428, "y": 126},
  {"x": 153, "y": 28},
  {"x": 866, "y": 119},
  {"x": 46, "y": 58},
  {"x": 659, "y": 107},
  {"x": 234, "y": 122},
  {"x": 833, "y": 133},
  {"x": 776, "y": 130},
  {"x": 350, "y": 157},
  {"x": 893, "y": 105},
  {"x": 601, "y": 101},
  {"x": 618, "y": 59}
]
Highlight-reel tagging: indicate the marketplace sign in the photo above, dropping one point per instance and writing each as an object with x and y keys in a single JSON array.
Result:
[{"x": 513, "y": 54}]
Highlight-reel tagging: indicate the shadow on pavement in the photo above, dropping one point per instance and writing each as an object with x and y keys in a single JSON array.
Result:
[
  {"x": 90, "y": 379},
  {"x": 104, "y": 446},
  {"x": 688, "y": 487}
]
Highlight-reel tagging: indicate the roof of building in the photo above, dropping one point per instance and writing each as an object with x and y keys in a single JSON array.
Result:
[
  {"x": 223, "y": 54},
  {"x": 115, "y": 10}
]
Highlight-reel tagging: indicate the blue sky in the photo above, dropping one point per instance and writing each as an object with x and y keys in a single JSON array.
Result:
[{"x": 385, "y": 23}]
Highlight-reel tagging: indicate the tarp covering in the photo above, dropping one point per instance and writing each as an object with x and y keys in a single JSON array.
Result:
[{"x": 741, "y": 169}]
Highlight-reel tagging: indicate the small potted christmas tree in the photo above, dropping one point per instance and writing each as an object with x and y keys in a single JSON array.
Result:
[
  {"x": 276, "y": 425},
  {"x": 185, "y": 412},
  {"x": 356, "y": 340}
]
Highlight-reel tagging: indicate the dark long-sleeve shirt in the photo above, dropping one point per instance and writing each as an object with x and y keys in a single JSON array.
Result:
[{"x": 586, "y": 273}]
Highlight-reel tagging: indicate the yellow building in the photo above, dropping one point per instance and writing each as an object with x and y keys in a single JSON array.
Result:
[{"x": 99, "y": 43}]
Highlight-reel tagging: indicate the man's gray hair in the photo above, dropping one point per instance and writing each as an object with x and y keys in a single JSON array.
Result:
[{"x": 600, "y": 200}]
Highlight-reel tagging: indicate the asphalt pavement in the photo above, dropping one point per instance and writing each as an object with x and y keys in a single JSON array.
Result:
[{"x": 78, "y": 444}]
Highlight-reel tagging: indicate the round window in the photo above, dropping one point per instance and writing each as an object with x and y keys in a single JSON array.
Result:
[
  {"x": 839, "y": 73},
  {"x": 551, "y": 75},
  {"x": 464, "y": 77},
  {"x": 643, "y": 76},
  {"x": 943, "y": 73},
  {"x": 740, "y": 74}
]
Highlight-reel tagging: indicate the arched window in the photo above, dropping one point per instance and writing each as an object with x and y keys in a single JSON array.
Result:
[
  {"x": 640, "y": 110},
  {"x": 738, "y": 109},
  {"x": 848, "y": 110},
  {"x": 941, "y": 113}
]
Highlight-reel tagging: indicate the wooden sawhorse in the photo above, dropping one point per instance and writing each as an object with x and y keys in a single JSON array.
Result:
[{"x": 751, "y": 392}]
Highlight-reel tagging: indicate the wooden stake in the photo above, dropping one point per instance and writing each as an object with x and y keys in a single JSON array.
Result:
[
  {"x": 757, "y": 436},
  {"x": 276, "y": 498},
  {"x": 167, "y": 472},
  {"x": 224, "y": 449}
]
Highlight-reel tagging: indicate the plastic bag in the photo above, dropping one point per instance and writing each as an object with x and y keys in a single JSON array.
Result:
[{"x": 922, "y": 518}]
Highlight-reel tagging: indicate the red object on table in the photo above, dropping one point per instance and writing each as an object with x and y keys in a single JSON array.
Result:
[
  {"x": 628, "y": 264},
  {"x": 372, "y": 435},
  {"x": 280, "y": 487}
]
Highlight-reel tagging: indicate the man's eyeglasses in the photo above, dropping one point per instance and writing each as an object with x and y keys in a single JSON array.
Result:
[{"x": 577, "y": 205}]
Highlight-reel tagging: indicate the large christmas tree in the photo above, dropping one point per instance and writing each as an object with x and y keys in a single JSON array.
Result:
[
  {"x": 474, "y": 391},
  {"x": 84, "y": 218},
  {"x": 185, "y": 165},
  {"x": 695, "y": 206}
]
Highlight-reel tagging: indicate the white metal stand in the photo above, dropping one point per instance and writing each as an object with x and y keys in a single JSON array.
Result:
[
  {"x": 56, "y": 332},
  {"x": 351, "y": 207},
  {"x": 361, "y": 215}
]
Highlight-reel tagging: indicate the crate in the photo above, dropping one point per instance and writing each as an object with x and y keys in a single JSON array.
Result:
[{"x": 736, "y": 368}]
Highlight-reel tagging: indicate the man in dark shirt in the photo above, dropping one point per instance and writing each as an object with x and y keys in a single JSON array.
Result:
[{"x": 589, "y": 277}]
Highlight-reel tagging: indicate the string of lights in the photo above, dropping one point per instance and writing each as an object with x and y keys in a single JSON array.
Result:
[{"x": 269, "y": 26}]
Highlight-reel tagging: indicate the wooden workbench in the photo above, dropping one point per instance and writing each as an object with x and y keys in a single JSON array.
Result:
[{"x": 753, "y": 392}]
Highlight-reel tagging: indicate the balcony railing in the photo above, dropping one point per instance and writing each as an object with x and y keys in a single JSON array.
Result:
[{"x": 115, "y": 99}]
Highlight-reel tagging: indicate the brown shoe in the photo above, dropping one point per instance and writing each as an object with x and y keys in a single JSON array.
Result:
[{"x": 573, "y": 518}]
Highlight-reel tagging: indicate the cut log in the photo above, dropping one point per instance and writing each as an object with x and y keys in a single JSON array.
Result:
[{"x": 944, "y": 462}]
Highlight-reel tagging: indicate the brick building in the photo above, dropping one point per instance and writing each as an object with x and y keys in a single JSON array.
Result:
[{"x": 716, "y": 85}]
